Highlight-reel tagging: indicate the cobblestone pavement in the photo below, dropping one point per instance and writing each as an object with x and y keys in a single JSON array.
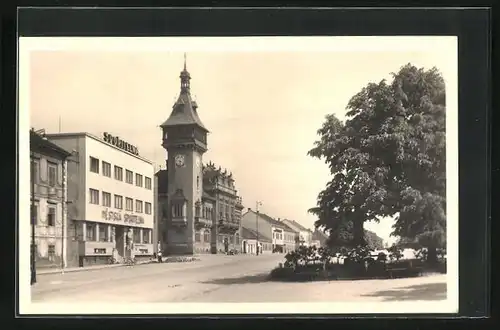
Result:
[{"x": 241, "y": 278}]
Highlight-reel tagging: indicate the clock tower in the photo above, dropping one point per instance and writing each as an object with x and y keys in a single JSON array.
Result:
[{"x": 185, "y": 140}]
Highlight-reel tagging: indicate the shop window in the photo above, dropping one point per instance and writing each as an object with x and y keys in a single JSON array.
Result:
[
  {"x": 137, "y": 236},
  {"x": 103, "y": 233},
  {"x": 206, "y": 236},
  {"x": 197, "y": 236},
  {"x": 90, "y": 232},
  {"x": 145, "y": 236}
]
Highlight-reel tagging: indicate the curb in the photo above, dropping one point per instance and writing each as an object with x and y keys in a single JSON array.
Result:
[{"x": 86, "y": 269}]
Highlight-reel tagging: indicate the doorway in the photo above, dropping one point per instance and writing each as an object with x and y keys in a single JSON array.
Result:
[
  {"x": 226, "y": 245},
  {"x": 244, "y": 246},
  {"x": 120, "y": 240}
]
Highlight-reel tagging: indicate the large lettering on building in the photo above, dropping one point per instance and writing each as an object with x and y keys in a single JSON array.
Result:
[
  {"x": 126, "y": 218},
  {"x": 117, "y": 142}
]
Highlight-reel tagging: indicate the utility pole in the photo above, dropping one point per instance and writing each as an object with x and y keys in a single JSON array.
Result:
[
  {"x": 257, "y": 224},
  {"x": 33, "y": 221}
]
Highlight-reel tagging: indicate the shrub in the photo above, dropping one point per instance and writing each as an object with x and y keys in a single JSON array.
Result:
[{"x": 282, "y": 273}]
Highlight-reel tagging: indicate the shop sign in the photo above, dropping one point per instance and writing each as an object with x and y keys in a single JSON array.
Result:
[
  {"x": 117, "y": 142},
  {"x": 117, "y": 216}
]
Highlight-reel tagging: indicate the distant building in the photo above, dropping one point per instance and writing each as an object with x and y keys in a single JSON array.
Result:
[
  {"x": 250, "y": 239},
  {"x": 199, "y": 205},
  {"x": 110, "y": 196},
  {"x": 320, "y": 236},
  {"x": 283, "y": 238},
  {"x": 49, "y": 196},
  {"x": 305, "y": 234}
]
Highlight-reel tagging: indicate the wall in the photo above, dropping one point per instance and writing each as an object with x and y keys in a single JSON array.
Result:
[
  {"x": 45, "y": 196},
  {"x": 114, "y": 156}
]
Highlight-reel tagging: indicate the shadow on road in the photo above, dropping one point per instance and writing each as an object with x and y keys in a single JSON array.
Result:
[
  {"x": 249, "y": 279},
  {"x": 431, "y": 291}
]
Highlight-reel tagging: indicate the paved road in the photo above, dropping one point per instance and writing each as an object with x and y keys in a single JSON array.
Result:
[{"x": 239, "y": 278}]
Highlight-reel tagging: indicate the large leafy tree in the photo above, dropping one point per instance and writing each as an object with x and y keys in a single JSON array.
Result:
[{"x": 387, "y": 159}]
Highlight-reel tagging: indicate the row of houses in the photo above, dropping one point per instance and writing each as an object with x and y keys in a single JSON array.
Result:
[{"x": 95, "y": 199}]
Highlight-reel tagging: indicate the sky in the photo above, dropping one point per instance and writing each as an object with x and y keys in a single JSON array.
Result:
[{"x": 262, "y": 108}]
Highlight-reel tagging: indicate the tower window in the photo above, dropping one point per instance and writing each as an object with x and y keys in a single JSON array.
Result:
[{"x": 178, "y": 210}]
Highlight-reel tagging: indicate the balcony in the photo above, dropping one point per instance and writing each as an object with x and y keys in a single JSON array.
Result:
[
  {"x": 228, "y": 226},
  {"x": 178, "y": 222},
  {"x": 202, "y": 222}
]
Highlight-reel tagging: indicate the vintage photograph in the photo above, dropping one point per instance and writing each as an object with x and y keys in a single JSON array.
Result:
[{"x": 243, "y": 175}]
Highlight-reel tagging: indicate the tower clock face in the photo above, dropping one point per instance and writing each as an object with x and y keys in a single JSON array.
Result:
[{"x": 179, "y": 160}]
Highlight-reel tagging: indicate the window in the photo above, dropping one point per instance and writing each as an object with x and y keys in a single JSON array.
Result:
[
  {"x": 237, "y": 239},
  {"x": 137, "y": 235},
  {"x": 145, "y": 236},
  {"x": 90, "y": 235},
  {"x": 103, "y": 233},
  {"x": 51, "y": 252},
  {"x": 118, "y": 202},
  {"x": 106, "y": 169},
  {"x": 147, "y": 182},
  {"x": 147, "y": 208},
  {"x": 94, "y": 165},
  {"x": 177, "y": 210},
  {"x": 52, "y": 174},
  {"x": 129, "y": 177},
  {"x": 206, "y": 236},
  {"x": 197, "y": 236},
  {"x": 36, "y": 171},
  {"x": 118, "y": 173},
  {"x": 94, "y": 196},
  {"x": 129, "y": 204},
  {"x": 106, "y": 199},
  {"x": 138, "y": 206},
  {"x": 34, "y": 213},
  {"x": 138, "y": 180},
  {"x": 51, "y": 216}
]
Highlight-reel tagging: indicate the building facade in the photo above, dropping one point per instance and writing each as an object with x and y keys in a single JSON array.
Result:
[
  {"x": 283, "y": 238},
  {"x": 48, "y": 201},
  {"x": 111, "y": 198},
  {"x": 250, "y": 240},
  {"x": 305, "y": 235},
  {"x": 200, "y": 208}
]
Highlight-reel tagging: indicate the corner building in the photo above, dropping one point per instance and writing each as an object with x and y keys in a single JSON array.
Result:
[
  {"x": 199, "y": 205},
  {"x": 110, "y": 199}
]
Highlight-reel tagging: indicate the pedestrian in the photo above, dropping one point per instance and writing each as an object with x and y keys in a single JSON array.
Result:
[{"x": 160, "y": 260}]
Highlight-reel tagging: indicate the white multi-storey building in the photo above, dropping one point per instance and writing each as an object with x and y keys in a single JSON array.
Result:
[{"x": 110, "y": 197}]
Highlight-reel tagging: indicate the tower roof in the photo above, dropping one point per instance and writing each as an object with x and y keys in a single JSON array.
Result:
[{"x": 184, "y": 111}]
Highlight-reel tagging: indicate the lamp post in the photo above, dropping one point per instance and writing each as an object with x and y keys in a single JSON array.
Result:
[
  {"x": 257, "y": 224},
  {"x": 33, "y": 222}
]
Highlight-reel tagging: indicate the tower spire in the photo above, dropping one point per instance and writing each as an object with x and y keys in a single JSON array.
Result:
[{"x": 185, "y": 77}]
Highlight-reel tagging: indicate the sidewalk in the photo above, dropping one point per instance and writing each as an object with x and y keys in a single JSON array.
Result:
[{"x": 201, "y": 257}]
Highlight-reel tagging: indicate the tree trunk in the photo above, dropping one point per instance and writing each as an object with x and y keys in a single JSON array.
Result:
[
  {"x": 358, "y": 232},
  {"x": 432, "y": 255}
]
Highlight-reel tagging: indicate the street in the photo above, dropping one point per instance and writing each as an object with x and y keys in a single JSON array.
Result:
[{"x": 240, "y": 278}]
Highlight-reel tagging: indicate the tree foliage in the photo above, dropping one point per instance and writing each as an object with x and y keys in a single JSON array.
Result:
[{"x": 387, "y": 159}]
